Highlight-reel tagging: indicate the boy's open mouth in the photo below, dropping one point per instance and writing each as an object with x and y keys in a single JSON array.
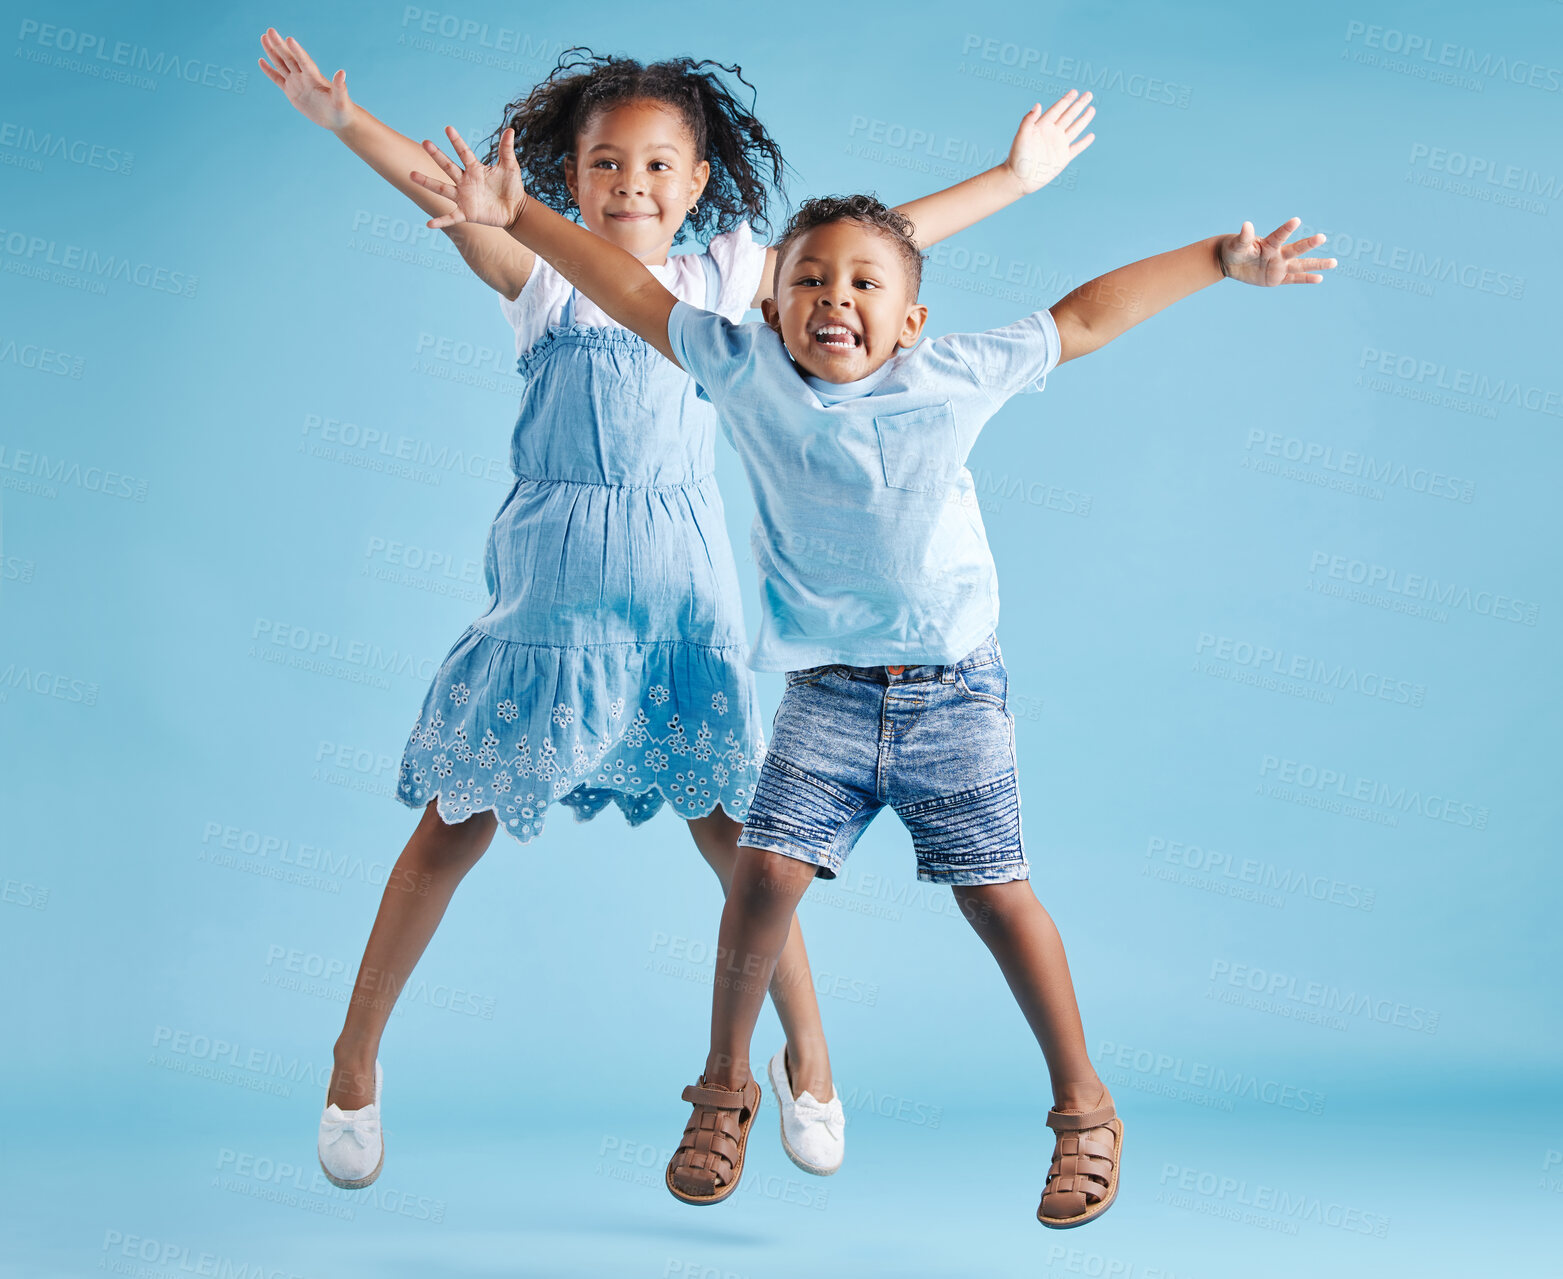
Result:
[{"x": 837, "y": 336}]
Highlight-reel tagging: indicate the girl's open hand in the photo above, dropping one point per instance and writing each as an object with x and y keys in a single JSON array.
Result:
[
  {"x": 490, "y": 194},
  {"x": 1272, "y": 260},
  {"x": 325, "y": 102},
  {"x": 1048, "y": 140}
]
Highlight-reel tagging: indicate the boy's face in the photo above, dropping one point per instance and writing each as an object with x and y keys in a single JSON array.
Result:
[{"x": 843, "y": 304}]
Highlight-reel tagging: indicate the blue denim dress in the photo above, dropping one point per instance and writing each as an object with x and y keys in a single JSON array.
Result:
[{"x": 611, "y": 663}]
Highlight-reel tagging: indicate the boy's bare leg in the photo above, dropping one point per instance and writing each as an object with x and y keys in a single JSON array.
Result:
[
  {"x": 1022, "y": 937},
  {"x": 417, "y": 891},
  {"x": 1025, "y": 942},
  {"x": 765, "y": 891},
  {"x": 792, "y": 984}
]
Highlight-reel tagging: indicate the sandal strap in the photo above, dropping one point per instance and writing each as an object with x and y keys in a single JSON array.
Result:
[
  {"x": 1073, "y": 1121},
  {"x": 718, "y": 1098},
  {"x": 1092, "y": 1190}
]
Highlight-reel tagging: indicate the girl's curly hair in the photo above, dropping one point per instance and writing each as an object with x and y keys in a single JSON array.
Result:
[{"x": 746, "y": 163}]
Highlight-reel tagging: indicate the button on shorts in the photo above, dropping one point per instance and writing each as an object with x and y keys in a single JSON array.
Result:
[{"x": 934, "y": 743}]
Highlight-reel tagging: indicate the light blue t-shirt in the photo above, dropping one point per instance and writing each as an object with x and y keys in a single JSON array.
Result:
[{"x": 867, "y": 535}]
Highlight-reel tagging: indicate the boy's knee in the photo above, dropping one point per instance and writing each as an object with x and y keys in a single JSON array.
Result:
[
  {"x": 988, "y": 904},
  {"x": 766, "y": 877}
]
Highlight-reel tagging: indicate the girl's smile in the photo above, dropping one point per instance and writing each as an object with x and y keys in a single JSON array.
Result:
[{"x": 635, "y": 175}]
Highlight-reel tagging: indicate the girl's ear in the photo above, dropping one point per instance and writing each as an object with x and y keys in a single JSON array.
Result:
[
  {"x": 570, "y": 178},
  {"x": 701, "y": 174}
]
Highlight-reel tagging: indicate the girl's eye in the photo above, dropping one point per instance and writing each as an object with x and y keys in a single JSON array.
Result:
[
  {"x": 605, "y": 164},
  {"x": 660, "y": 164}
]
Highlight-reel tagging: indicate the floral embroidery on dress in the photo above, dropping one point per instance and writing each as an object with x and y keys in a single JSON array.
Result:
[{"x": 631, "y": 770}]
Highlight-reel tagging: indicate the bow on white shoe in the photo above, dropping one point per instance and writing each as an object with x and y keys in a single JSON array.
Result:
[
  {"x": 350, "y": 1144},
  {"x": 813, "y": 1132},
  {"x": 828, "y": 1115},
  {"x": 363, "y": 1126}
]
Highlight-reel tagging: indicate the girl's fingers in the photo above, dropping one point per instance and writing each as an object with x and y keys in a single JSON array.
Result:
[
  {"x": 1303, "y": 279},
  {"x": 1310, "y": 264},
  {"x": 1081, "y": 145},
  {"x": 305, "y": 61},
  {"x": 445, "y": 220},
  {"x": 279, "y": 52},
  {"x": 275, "y": 77}
]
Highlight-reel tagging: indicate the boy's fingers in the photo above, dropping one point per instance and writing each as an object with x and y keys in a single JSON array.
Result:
[
  {"x": 1081, "y": 145},
  {"x": 1073, "y": 131},
  {"x": 1057, "y": 109},
  {"x": 462, "y": 149},
  {"x": 1071, "y": 113},
  {"x": 434, "y": 184},
  {"x": 273, "y": 76},
  {"x": 440, "y": 158}
]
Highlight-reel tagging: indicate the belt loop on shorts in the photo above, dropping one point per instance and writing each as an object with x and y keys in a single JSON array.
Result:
[{"x": 947, "y": 674}]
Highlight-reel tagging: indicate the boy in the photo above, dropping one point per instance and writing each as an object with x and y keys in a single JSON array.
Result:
[{"x": 879, "y": 600}]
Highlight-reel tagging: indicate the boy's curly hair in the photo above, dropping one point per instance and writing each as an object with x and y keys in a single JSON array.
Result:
[
  {"x": 866, "y": 210},
  {"x": 746, "y": 163}
]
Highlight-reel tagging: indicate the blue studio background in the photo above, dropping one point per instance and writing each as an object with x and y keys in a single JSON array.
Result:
[{"x": 1281, "y": 607}]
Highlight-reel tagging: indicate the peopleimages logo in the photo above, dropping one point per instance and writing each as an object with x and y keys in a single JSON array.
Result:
[{"x": 1308, "y": 670}]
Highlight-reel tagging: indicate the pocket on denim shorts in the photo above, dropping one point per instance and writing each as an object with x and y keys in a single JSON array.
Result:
[
  {"x": 988, "y": 683},
  {"x": 918, "y": 449},
  {"x": 809, "y": 675}
]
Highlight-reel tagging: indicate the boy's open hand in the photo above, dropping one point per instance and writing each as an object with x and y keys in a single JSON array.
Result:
[
  {"x": 492, "y": 195},
  {"x": 1048, "y": 140},
  {"x": 1272, "y": 260},
  {"x": 325, "y": 102}
]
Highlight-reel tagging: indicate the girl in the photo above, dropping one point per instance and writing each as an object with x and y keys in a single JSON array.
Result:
[{"x": 610, "y": 665}]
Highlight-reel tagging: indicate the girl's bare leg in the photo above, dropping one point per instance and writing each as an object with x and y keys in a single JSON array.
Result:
[
  {"x": 792, "y": 984},
  {"x": 1025, "y": 942},
  {"x": 417, "y": 892}
]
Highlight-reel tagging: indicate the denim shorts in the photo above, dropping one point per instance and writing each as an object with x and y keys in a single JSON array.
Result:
[{"x": 934, "y": 743}]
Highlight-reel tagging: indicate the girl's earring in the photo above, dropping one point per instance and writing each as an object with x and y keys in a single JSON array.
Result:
[{"x": 693, "y": 208}]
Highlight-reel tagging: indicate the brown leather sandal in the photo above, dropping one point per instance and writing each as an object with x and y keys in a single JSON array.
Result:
[
  {"x": 1083, "y": 1179},
  {"x": 710, "y": 1159}
]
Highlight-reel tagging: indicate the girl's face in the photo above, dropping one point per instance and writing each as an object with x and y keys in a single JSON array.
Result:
[{"x": 635, "y": 175}]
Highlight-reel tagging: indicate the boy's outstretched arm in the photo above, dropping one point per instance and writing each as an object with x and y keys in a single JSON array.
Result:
[
  {"x": 1100, "y": 309},
  {"x": 1044, "y": 145},
  {"x": 494, "y": 195}
]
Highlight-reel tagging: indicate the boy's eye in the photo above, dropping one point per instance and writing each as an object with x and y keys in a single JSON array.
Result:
[
  {"x": 807, "y": 280},
  {"x": 864, "y": 284}
]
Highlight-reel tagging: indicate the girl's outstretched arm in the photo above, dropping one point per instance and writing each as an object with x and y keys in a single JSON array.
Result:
[
  {"x": 494, "y": 196},
  {"x": 1100, "y": 309},
  {"x": 1044, "y": 145},
  {"x": 495, "y": 258}
]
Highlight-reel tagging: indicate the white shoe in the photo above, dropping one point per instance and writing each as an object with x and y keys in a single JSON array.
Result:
[
  {"x": 350, "y": 1145},
  {"x": 813, "y": 1132}
]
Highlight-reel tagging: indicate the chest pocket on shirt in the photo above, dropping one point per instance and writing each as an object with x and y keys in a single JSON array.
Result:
[{"x": 919, "y": 449}]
